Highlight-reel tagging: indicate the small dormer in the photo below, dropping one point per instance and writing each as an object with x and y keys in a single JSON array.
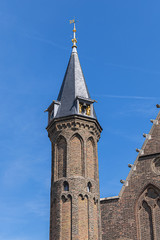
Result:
[
  {"x": 52, "y": 110},
  {"x": 85, "y": 106}
]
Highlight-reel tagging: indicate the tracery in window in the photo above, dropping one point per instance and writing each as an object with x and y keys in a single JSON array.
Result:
[{"x": 148, "y": 210}]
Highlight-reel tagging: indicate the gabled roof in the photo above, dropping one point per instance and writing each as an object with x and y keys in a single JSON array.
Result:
[
  {"x": 151, "y": 147},
  {"x": 73, "y": 86}
]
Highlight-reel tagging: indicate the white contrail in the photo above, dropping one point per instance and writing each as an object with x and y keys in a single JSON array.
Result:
[{"x": 125, "y": 97}]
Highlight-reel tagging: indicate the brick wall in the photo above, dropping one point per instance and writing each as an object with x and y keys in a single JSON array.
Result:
[
  {"x": 83, "y": 217},
  {"x": 133, "y": 214},
  {"x": 95, "y": 219},
  {"x": 66, "y": 227}
]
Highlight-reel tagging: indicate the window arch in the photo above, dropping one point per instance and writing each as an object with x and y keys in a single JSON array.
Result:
[
  {"x": 76, "y": 155},
  {"x": 54, "y": 217},
  {"x": 95, "y": 219},
  {"x": 90, "y": 158},
  {"x": 66, "y": 219},
  {"x": 148, "y": 213},
  {"x": 83, "y": 217},
  {"x": 61, "y": 156}
]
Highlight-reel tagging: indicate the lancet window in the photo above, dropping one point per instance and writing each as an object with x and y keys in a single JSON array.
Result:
[{"x": 149, "y": 214}]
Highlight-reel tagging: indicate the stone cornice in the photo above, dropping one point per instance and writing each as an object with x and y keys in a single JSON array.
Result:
[{"x": 74, "y": 122}]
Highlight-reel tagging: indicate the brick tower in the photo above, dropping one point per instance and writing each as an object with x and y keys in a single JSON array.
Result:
[{"x": 74, "y": 132}]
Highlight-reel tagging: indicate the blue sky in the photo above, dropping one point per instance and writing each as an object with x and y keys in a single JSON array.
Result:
[{"x": 119, "y": 50}]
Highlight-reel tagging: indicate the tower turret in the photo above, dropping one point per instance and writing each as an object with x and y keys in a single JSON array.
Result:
[{"x": 74, "y": 132}]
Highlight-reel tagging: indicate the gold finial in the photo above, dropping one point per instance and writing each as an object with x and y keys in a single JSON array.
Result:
[{"x": 74, "y": 40}]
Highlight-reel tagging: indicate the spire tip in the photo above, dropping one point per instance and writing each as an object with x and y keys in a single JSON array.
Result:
[{"x": 74, "y": 40}]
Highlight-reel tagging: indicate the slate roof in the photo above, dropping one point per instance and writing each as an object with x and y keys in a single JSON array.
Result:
[{"x": 73, "y": 86}]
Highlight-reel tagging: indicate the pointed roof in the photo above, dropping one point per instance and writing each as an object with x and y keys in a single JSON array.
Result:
[{"x": 73, "y": 86}]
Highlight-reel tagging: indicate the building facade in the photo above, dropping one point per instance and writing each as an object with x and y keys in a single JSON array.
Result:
[
  {"x": 76, "y": 210},
  {"x": 135, "y": 213}
]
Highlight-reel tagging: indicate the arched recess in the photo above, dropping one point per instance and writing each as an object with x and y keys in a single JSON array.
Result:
[
  {"x": 66, "y": 224},
  {"x": 95, "y": 219},
  {"x": 61, "y": 156},
  {"x": 53, "y": 220},
  {"x": 83, "y": 217},
  {"x": 76, "y": 156},
  {"x": 53, "y": 176},
  {"x": 148, "y": 213},
  {"x": 90, "y": 158}
]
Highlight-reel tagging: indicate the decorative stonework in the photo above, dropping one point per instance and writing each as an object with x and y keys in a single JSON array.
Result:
[
  {"x": 156, "y": 165},
  {"x": 75, "y": 123}
]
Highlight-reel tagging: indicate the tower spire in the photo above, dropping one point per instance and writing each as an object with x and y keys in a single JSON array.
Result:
[
  {"x": 74, "y": 40},
  {"x": 74, "y": 132},
  {"x": 74, "y": 97}
]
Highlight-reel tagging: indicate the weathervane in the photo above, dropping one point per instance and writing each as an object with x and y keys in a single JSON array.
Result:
[{"x": 74, "y": 40}]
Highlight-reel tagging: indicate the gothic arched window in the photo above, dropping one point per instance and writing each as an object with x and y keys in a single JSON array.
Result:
[{"x": 149, "y": 213}]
